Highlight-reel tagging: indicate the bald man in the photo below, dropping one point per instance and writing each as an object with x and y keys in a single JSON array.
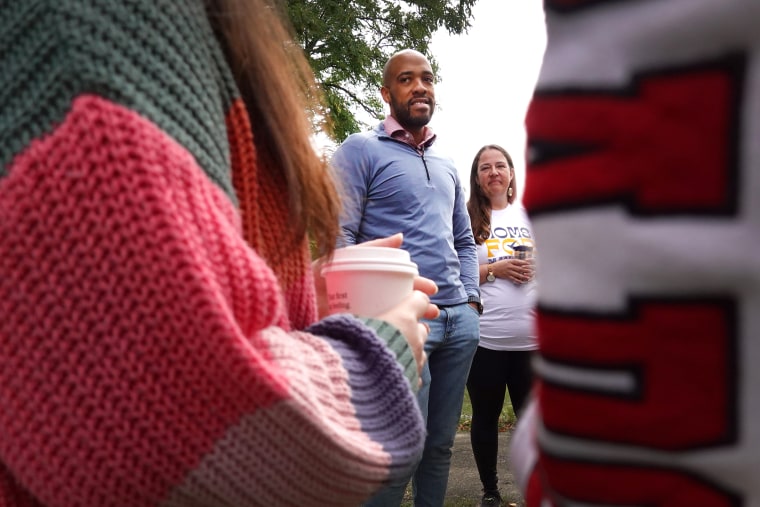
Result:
[{"x": 397, "y": 181}]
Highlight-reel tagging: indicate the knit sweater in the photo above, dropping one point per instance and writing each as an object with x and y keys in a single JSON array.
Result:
[{"x": 158, "y": 344}]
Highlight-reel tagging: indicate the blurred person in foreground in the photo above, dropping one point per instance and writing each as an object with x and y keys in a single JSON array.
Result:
[
  {"x": 397, "y": 180},
  {"x": 159, "y": 338},
  {"x": 642, "y": 189},
  {"x": 502, "y": 362}
]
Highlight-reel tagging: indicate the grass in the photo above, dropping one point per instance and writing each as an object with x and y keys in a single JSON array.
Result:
[{"x": 506, "y": 419}]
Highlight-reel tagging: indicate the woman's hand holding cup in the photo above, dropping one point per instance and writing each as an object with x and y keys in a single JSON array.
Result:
[{"x": 404, "y": 314}]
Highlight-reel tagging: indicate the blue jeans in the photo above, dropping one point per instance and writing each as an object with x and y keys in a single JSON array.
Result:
[{"x": 450, "y": 347}]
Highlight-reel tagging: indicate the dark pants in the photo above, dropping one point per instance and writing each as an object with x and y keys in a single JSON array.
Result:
[{"x": 491, "y": 374}]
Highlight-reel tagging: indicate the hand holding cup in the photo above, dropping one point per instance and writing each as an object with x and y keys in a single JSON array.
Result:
[{"x": 377, "y": 279}]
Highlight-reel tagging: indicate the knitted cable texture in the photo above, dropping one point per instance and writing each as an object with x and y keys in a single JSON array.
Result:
[{"x": 148, "y": 354}]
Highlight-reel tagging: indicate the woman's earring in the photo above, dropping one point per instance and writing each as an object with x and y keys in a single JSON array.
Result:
[{"x": 509, "y": 192}]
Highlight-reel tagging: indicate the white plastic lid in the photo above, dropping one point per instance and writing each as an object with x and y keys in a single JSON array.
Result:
[
  {"x": 371, "y": 258},
  {"x": 364, "y": 253}
]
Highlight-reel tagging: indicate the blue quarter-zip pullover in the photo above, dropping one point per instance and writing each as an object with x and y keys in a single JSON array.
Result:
[{"x": 391, "y": 187}]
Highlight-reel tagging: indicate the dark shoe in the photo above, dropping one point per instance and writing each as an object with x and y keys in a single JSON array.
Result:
[{"x": 491, "y": 499}]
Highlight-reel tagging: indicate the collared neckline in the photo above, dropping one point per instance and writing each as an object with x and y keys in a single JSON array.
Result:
[{"x": 394, "y": 129}]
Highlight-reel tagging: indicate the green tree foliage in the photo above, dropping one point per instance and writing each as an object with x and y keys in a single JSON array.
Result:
[{"x": 349, "y": 41}]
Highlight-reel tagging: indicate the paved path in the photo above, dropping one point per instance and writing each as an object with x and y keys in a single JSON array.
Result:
[{"x": 464, "y": 485}]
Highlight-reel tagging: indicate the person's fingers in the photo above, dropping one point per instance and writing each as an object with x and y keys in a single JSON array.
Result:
[
  {"x": 390, "y": 241},
  {"x": 406, "y": 318},
  {"x": 420, "y": 364},
  {"x": 431, "y": 312},
  {"x": 425, "y": 285},
  {"x": 419, "y": 353},
  {"x": 520, "y": 271},
  {"x": 419, "y": 302},
  {"x": 528, "y": 270},
  {"x": 320, "y": 286}
]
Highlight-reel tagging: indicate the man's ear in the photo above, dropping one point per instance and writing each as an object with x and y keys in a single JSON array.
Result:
[{"x": 386, "y": 93}]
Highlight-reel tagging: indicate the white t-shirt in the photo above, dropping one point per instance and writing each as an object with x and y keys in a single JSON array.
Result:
[{"x": 508, "y": 320}]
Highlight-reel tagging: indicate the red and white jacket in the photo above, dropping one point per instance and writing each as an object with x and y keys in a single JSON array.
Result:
[{"x": 642, "y": 184}]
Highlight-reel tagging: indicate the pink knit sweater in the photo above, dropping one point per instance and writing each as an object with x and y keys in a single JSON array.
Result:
[{"x": 150, "y": 352}]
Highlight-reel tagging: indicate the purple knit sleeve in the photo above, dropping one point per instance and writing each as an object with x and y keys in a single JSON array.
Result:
[{"x": 381, "y": 394}]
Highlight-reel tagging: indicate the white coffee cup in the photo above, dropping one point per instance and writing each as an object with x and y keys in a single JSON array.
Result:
[{"x": 368, "y": 280}]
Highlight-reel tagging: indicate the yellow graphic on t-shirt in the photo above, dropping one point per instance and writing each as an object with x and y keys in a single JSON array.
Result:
[{"x": 503, "y": 240}]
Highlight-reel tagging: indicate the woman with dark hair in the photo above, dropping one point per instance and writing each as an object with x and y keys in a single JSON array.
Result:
[
  {"x": 160, "y": 341},
  {"x": 507, "y": 335}
]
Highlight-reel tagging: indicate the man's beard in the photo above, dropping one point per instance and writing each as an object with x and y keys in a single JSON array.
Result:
[{"x": 405, "y": 118}]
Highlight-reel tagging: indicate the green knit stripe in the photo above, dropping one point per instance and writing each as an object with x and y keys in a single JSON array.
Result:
[
  {"x": 151, "y": 56},
  {"x": 399, "y": 346}
]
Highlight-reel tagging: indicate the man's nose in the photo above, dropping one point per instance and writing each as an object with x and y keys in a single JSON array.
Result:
[{"x": 419, "y": 86}]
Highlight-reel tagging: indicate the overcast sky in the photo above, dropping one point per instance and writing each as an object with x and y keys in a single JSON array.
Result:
[{"x": 486, "y": 80}]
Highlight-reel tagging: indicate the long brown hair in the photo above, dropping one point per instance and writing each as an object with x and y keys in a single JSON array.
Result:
[
  {"x": 279, "y": 88},
  {"x": 479, "y": 205}
]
